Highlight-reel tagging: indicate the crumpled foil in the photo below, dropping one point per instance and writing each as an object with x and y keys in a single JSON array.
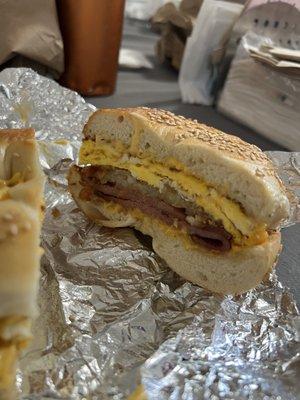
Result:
[{"x": 111, "y": 311}]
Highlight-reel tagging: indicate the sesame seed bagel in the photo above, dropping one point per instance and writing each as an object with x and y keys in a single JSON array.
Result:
[
  {"x": 237, "y": 169},
  {"x": 21, "y": 198},
  {"x": 211, "y": 202},
  {"x": 21, "y": 195}
]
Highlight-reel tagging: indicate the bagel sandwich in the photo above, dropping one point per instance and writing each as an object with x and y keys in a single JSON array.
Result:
[{"x": 211, "y": 202}]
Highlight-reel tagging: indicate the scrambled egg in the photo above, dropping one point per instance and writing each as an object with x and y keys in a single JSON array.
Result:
[{"x": 244, "y": 229}]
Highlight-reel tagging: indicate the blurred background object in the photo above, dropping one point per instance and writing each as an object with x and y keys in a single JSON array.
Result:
[
  {"x": 30, "y": 36},
  {"x": 133, "y": 59},
  {"x": 262, "y": 89},
  {"x": 240, "y": 57},
  {"x": 174, "y": 24},
  {"x": 198, "y": 74},
  {"x": 92, "y": 32},
  {"x": 190, "y": 7},
  {"x": 144, "y": 9}
]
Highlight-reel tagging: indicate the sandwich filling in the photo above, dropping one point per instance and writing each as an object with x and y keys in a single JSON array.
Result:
[
  {"x": 5, "y": 184},
  {"x": 120, "y": 187},
  {"x": 220, "y": 212},
  {"x": 8, "y": 356},
  {"x": 14, "y": 336}
]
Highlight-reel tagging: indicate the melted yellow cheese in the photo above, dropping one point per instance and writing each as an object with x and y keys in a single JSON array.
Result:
[
  {"x": 15, "y": 321},
  {"x": 7, "y": 183},
  {"x": 4, "y": 193},
  {"x": 144, "y": 224},
  {"x": 14, "y": 180},
  {"x": 245, "y": 230},
  {"x": 138, "y": 394},
  {"x": 8, "y": 357},
  {"x": 10, "y": 349}
]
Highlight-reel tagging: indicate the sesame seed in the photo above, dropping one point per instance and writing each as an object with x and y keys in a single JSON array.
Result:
[
  {"x": 259, "y": 173},
  {"x": 14, "y": 229},
  {"x": 191, "y": 128}
]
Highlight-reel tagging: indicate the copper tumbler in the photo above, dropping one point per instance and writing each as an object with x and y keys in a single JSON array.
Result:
[{"x": 92, "y": 31}]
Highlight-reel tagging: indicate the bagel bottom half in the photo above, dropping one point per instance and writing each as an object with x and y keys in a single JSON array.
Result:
[{"x": 232, "y": 272}]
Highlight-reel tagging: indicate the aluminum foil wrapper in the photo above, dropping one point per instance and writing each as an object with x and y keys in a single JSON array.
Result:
[{"x": 112, "y": 313}]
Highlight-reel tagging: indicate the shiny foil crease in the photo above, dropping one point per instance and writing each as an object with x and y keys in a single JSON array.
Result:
[{"x": 112, "y": 313}]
